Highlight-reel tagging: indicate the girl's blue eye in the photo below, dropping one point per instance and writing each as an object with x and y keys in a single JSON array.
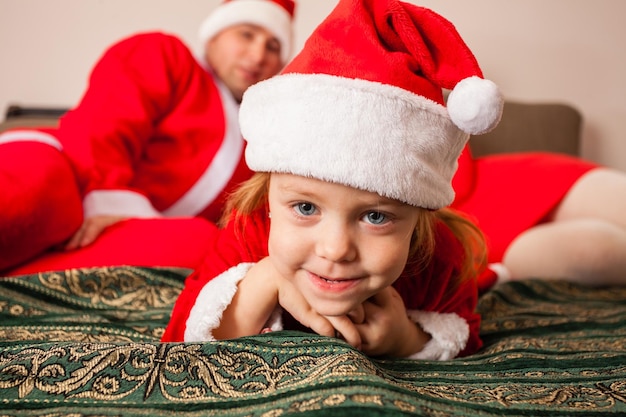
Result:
[
  {"x": 375, "y": 217},
  {"x": 305, "y": 209}
]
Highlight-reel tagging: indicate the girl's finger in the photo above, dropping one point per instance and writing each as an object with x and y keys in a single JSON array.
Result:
[
  {"x": 319, "y": 324},
  {"x": 357, "y": 315},
  {"x": 295, "y": 304},
  {"x": 383, "y": 297},
  {"x": 346, "y": 330}
]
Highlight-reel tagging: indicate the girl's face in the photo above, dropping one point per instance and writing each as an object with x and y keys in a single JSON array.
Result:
[{"x": 338, "y": 245}]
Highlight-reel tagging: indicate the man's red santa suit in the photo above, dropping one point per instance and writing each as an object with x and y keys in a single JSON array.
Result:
[
  {"x": 155, "y": 135},
  {"x": 163, "y": 132}
]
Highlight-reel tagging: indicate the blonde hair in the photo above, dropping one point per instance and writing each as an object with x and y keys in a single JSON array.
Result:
[{"x": 252, "y": 195}]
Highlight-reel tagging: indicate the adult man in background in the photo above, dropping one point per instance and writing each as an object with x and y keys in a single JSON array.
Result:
[{"x": 155, "y": 135}]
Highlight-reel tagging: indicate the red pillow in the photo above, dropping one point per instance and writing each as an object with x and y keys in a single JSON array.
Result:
[{"x": 163, "y": 242}]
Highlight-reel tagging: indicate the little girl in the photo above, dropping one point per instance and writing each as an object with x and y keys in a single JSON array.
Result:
[{"x": 343, "y": 229}]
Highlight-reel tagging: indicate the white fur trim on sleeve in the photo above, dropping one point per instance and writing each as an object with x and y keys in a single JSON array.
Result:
[
  {"x": 118, "y": 203},
  {"x": 215, "y": 296},
  {"x": 275, "y": 322},
  {"x": 501, "y": 271},
  {"x": 449, "y": 333},
  {"x": 30, "y": 136}
]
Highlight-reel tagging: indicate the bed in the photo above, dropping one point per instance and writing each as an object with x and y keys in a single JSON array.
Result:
[{"x": 84, "y": 341}]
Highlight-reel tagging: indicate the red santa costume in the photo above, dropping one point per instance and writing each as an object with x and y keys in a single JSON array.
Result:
[
  {"x": 439, "y": 304},
  {"x": 379, "y": 126},
  {"x": 507, "y": 194},
  {"x": 155, "y": 135}
]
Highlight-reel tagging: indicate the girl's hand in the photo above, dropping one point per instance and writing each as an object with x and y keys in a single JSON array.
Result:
[
  {"x": 387, "y": 330},
  {"x": 259, "y": 293},
  {"x": 294, "y": 302},
  {"x": 252, "y": 305}
]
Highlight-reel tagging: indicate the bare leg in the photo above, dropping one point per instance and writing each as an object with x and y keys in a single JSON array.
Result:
[
  {"x": 586, "y": 239},
  {"x": 600, "y": 194},
  {"x": 587, "y": 251}
]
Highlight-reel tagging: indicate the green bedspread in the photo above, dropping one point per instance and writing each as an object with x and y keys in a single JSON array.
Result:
[{"x": 86, "y": 343}]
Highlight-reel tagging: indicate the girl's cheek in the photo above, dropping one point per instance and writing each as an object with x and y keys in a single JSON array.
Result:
[{"x": 279, "y": 242}]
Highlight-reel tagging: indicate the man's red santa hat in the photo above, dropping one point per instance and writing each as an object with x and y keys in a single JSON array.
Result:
[
  {"x": 362, "y": 104},
  {"x": 275, "y": 16}
]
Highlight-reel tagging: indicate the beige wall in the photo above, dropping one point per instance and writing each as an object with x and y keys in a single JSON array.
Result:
[{"x": 536, "y": 50}]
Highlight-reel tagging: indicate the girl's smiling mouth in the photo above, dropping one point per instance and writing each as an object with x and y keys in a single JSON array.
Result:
[{"x": 333, "y": 284}]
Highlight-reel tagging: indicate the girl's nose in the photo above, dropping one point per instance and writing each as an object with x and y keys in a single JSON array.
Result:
[{"x": 335, "y": 243}]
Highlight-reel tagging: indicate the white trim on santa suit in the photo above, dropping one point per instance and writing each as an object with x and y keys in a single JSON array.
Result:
[
  {"x": 26, "y": 135},
  {"x": 199, "y": 195},
  {"x": 217, "y": 175},
  {"x": 449, "y": 334}
]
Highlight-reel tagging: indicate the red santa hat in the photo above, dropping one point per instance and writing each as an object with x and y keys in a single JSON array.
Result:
[
  {"x": 273, "y": 15},
  {"x": 362, "y": 104}
]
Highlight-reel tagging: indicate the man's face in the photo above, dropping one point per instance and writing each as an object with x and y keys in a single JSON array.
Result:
[{"x": 242, "y": 55}]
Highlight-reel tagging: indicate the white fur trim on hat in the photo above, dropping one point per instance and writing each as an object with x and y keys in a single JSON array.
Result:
[
  {"x": 266, "y": 14},
  {"x": 449, "y": 332},
  {"x": 367, "y": 135}
]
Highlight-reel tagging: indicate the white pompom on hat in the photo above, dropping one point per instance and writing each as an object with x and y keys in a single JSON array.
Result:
[
  {"x": 275, "y": 16},
  {"x": 362, "y": 104}
]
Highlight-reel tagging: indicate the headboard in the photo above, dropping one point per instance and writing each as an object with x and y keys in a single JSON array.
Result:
[{"x": 526, "y": 126}]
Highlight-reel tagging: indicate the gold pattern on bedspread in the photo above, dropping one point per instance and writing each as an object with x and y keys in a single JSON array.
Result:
[
  {"x": 97, "y": 305},
  {"x": 86, "y": 342}
]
